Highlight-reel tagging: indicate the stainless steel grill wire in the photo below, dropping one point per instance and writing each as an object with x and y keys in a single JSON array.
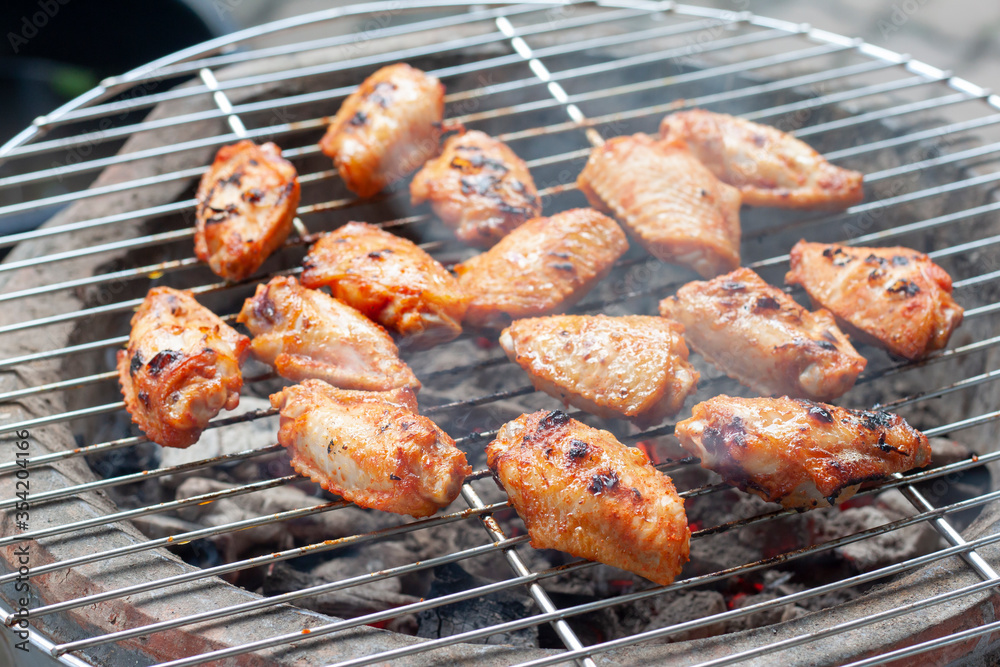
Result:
[{"x": 837, "y": 70}]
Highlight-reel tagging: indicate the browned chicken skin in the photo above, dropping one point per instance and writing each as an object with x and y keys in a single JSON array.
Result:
[
  {"x": 634, "y": 366},
  {"x": 180, "y": 368},
  {"x": 760, "y": 336},
  {"x": 666, "y": 199},
  {"x": 581, "y": 491},
  {"x": 306, "y": 333},
  {"x": 545, "y": 265},
  {"x": 385, "y": 129},
  {"x": 770, "y": 167},
  {"x": 799, "y": 453},
  {"x": 246, "y": 204},
  {"x": 371, "y": 448},
  {"x": 894, "y": 297},
  {"x": 389, "y": 279},
  {"x": 479, "y": 187}
]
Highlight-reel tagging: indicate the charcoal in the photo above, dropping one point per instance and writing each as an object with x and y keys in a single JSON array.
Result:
[
  {"x": 480, "y": 612},
  {"x": 238, "y": 437},
  {"x": 764, "y": 617},
  {"x": 670, "y": 609},
  {"x": 351, "y": 602},
  {"x": 883, "y": 549}
]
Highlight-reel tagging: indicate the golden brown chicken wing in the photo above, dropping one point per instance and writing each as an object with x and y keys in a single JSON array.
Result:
[
  {"x": 634, "y": 366},
  {"x": 799, "y": 453},
  {"x": 759, "y": 335},
  {"x": 246, "y": 203},
  {"x": 581, "y": 491},
  {"x": 371, "y": 448},
  {"x": 389, "y": 279},
  {"x": 896, "y": 298},
  {"x": 180, "y": 368},
  {"x": 479, "y": 187},
  {"x": 546, "y": 264},
  {"x": 305, "y": 333},
  {"x": 385, "y": 129},
  {"x": 770, "y": 167},
  {"x": 666, "y": 199}
]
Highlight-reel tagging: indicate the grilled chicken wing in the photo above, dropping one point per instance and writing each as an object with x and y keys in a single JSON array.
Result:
[
  {"x": 893, "y": 297},
  {"x": 306, "y": 333},
  {"x": 180, "y": 368},
  {"x": 665, "y": 198},
  {"x": 759, "y": 335},
  {"x": 634, "y": 366},
  {"x": 796, "y": 452},
  {"x": 371, "y": 448},
  {"x": 479, "y": 187},
  {"x": 581, "y": 491},
  {"x": 246, "y": 203},
  {"x": 385, "y": 129},
  {"x": 544, "y": 265},
  {"x": 389, "y": 279},
  {"x": 770, "y": 167}
]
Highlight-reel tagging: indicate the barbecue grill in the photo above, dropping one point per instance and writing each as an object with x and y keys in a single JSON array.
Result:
[{"x": 552, "y": 80}]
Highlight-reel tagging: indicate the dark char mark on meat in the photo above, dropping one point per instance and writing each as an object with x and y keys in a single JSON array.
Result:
[
  {"x": 904, "y": 286},
  {"x": 162, "y": 360},
  {"x": 764, "y": 303},
  {"x": 837, "y": 256},
  {"x": 577, "y": 449},
  {"x": 135, "y": 364},
  {"x": 552, "y": 420},
  {"x": 603, "y": 481},
  {"x": 874, "y": 420},
  {"x": 264, "y": 308},
  {"x": 820, "y": 414},
  {"x": 718, "y": 440}
]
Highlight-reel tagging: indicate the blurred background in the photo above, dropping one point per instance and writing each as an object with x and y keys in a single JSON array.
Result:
[{"x": 53, "y": 50}]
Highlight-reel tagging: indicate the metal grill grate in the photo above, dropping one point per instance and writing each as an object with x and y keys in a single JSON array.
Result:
[{"x": 552, "y": 80}]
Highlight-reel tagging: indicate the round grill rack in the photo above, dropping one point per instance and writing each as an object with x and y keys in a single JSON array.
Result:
[{"x": 115, "y": 170}]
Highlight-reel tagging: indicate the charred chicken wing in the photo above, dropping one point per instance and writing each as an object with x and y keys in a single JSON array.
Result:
[
  {"x": 544, "y": 265},
  {"x": 385, "y": 129},
  {"x": 479, "y": 187},
  {"x": 893, "y": 297},
  {"x": 389, "y": 279},
  {"x": 799, "y": 453},
  {"x": 581, "y": 491},
  {"x": 770, "y": 167},
  {"x": 180, "y": 368},
  {"x": 666, "y": 199},
  {"x": 306, "y": 333},
  {"x": 246, "y": 203},
  {"x": 759, "y": 335},
  {"x": 634, "y": 366},
  {"x": 369, "y": 447}
]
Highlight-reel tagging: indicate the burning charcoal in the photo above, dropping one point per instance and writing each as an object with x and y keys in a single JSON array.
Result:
[
  {"x": 734, "y": 547},
  {"x": 945, "y": 451},
  {"x": 354, "y": 601},
  {"x": 282, "y": 535},
  {"x": 234, "y": 438},
  {"x": 883, "y": 549},
  {"x": 958, "y": 485},
  {"x": 761, "y": 618},
  {"x": 670, "y": 608},
  {"x": 479, "y": 612},
  {"x": 234, "y": 544}
]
